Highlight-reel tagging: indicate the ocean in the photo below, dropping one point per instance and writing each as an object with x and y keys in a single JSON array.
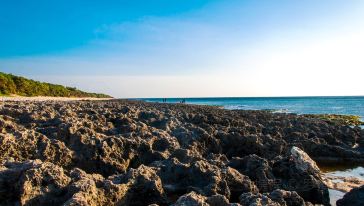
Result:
[{"x": 351, "y": 105}]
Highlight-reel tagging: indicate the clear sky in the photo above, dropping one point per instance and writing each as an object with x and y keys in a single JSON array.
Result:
[{"x": 187, "y": 48}]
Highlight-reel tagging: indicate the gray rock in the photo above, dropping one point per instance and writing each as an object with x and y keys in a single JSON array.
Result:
[{"x": 123, "y": 152}]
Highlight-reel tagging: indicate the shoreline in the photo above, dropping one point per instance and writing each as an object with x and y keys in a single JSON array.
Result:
[{"x": 345, "y": 105}]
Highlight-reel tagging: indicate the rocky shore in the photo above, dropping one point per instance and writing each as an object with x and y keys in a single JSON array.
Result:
[{"x": 120, "y": 152}]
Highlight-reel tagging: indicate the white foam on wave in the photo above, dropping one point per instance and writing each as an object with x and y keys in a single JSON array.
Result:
[
  {"x": 247, "y": 107},
  {"x": 281, "y": 111}
]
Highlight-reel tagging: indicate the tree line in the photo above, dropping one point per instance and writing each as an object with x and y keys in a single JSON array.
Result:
[{"x": 15, "y": 85}]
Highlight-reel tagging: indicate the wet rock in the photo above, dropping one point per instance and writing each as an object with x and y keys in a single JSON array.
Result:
[
  {"x": 361, "y": 139},
  {"x": 354, "y": 198},
  {"x": 343, "y": 184}
]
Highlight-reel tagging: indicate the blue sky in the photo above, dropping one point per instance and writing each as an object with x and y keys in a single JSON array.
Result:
[
  {"x": 187, "y": 47},
  {"x": 50, "y": 27}
]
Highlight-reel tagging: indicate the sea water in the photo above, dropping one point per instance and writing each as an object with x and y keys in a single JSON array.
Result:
[
  {"x": 342, "y": 171},
  {"x": 353, "y": 105}
]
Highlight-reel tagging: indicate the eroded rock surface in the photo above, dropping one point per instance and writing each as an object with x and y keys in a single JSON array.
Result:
[{"x": 136, "y": 153}]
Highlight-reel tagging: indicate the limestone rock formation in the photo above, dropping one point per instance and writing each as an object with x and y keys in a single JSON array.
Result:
[{"x": 135, "y": 153}]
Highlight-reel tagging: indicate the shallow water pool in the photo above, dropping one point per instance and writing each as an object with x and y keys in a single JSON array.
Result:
[{"x": 342, "y": 171}]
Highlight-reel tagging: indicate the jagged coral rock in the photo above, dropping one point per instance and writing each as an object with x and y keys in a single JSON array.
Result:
[
  {"x": 135, "y": 153},
  {"x": 33, "y": 183}
]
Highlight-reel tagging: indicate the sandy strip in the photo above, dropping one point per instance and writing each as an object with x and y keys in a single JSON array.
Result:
[{"x": 22, "y": 99}]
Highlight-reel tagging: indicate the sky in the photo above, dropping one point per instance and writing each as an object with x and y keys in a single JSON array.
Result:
[{"x": 187, "y": 48}]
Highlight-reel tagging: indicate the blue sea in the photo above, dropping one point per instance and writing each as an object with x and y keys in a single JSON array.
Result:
[{"x": 353, "y": 105}]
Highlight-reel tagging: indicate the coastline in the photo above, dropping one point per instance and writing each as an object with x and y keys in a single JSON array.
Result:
[
  {"x": 176, "y": 152},
  {"x": 339, "y": 105}
]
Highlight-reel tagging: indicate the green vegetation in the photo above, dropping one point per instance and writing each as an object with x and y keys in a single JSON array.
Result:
[
  {"x": 340, "y": 119},
  {"x": 15, "y": 85}
]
